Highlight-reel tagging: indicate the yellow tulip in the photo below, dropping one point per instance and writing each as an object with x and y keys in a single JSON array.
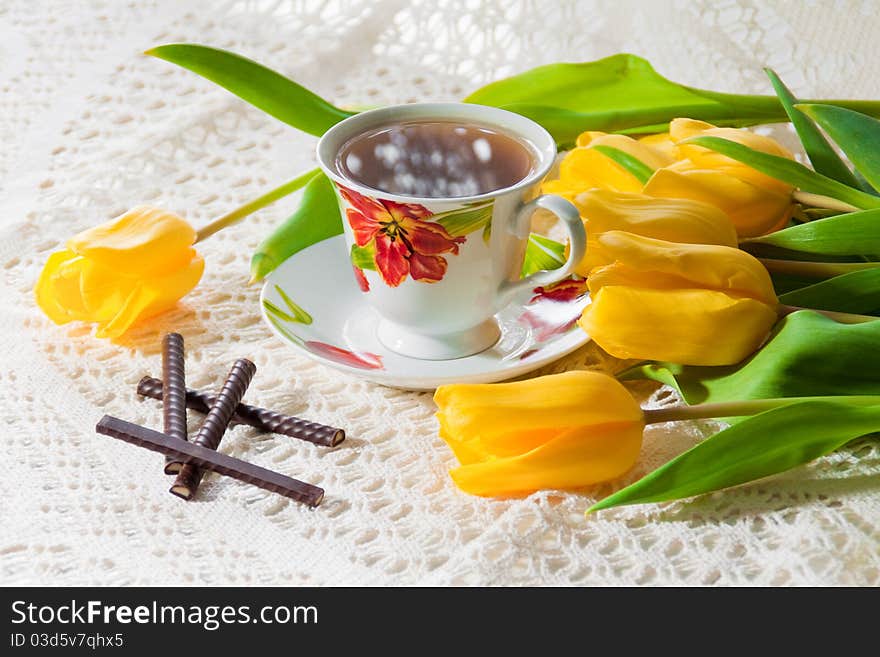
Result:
[
  {"x": 558, "y": 431},
  {"x": 130, "y": 268},
  {"x": 756, "y": 203},
  {"x": 704, "y": 158},
  {"x": 693, "y": 304},
  {"x": 753, "y": 210},
  {"x": 663, "y": 144},
  {"x": 584, "y": 167},
  {"x": 674, "y": 220}
]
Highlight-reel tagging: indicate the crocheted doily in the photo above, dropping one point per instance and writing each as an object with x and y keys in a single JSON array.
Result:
[{"x": 91, "y": 127}]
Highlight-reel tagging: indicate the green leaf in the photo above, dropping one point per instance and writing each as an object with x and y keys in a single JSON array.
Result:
[
  {"x": 856, "y": 292},
  {"x": 612, "y": 94},
  {"x": 364, "y": 257},
  {"x": 589, "y": 87},
  {"x": 542, "y": 253},
  {"x": 814, "y": 270},
  {"x": 857, "y": 135},
  {"x": 853, "y": 233},
  {"x": 812, "y": 214},
  {"x": 807, "y": 355},
  {"x": 316, "y": 219},
  {"x": 864, "y": 184},
  {"x": 784, "y": 283},
  {"x": 760, "y": 446},
  {"x": 823, "y": 157},
  {"x": 297, "y": 314},
  {"x": 262, "y": 87},
  {"x": 465, "y": 221},
  {"x": 565, "y": 125},
  {"x": 787, "y": 170},
  {"x": 641, "y": 171},
  {"x": 621, "y": 93}
]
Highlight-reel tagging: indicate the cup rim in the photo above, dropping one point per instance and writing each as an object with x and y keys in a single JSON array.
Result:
[{"x": 506, "y": 121}]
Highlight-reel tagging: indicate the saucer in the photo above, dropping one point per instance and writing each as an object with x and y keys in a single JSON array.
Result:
[{"x": 313, "y": 302}]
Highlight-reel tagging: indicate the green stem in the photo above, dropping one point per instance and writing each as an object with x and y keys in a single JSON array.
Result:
[
  {"x": 815, "y": 269},
  {"x": 745, "y": 407},
  {"x": 843, "y": 318},
  {"x": 820, "y": 201},
  {"x": 257, "y": 204}
]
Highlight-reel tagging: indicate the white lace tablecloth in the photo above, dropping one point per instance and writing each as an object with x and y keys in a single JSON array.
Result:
[{"x": 90, "y": 127}]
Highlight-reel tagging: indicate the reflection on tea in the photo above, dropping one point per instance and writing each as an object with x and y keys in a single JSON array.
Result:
[{"x": 435, "y": 159}]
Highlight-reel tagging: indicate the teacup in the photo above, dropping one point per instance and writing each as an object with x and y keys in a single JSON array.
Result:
[{"x": 437, "y": 269}]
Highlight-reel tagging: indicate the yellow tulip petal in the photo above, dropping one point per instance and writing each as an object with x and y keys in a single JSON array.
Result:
[
  {"x": 674, "y": 220},
  {"x": 586, "y": 138},
  {"x": 590, "y": 168},
  {"x": 143, "y": 241},
  {"x": 477, "y": 450},
  {"x": 466, "y": 451},
  {"x": 654, "y": 158},
  {"x": 690, "y": 326},
  {"x": 753, "y": 210},
  {"x": 662, "y": 144},
  {"x": 698, "y": 265},
  {"x": 152, "y": 297},
  {"x": 705, "y": 158},
  {"x": 578, "y": 457},
  {"x": 567, "y": 189},
  {"x": 584, "y": 168},
  {"x": 681, "y": 129},
  {"x": 515, "y": 443},
  {"x": 55, "y": 292},
  {"x": 684, "y": 128},
  {"x": 103, "y": 291},
  {"x": 137, "y": 301},
  {"x": 758, "y": 179},
  {"x": 471, "y": 412},
  {"x": 619, "y": 273}
]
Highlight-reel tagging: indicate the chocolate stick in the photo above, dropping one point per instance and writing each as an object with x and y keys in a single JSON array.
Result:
[
  {"x": 214, "y": 425},
  {"x": 254, "y": 416},
  {"x": 173, "y": 393},
  {"x": 208, "y": 459}
]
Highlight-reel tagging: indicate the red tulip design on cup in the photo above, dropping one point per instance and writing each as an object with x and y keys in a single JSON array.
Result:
[{"x": 404, "y": 243}]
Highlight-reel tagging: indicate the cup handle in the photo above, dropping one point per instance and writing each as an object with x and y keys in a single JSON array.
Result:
[{"x": 568, "y": 214}]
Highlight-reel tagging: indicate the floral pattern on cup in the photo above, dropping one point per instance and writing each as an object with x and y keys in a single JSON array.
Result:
[
  {"x": 568, "y": 289},
  {"x": 362, "y": 360},
  {"x": 397, "y": 239},
  {"x": 362, "y": 281},
  {"x": 546, "y": 325},
  {"x": 295, "y": 314}
]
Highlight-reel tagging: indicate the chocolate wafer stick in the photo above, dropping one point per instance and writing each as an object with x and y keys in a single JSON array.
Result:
[
  {"x": 173, "y": 393},
  {"x": 207, "y": 459},
  {"x": 254, "y": 416},
  {"x": 214, "y": 426}
]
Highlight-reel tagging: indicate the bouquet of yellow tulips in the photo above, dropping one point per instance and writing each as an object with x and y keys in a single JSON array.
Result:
[{"x": 731, "y": 272}]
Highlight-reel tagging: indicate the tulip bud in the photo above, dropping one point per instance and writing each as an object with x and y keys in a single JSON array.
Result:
[
  {"x": 559, "y": 431},
  {"x": 584, "y": 168},
  {"x": 120, "y": 272},
  {"x": 691, "y": 304},
  {"x": 756, "y": 203},
  {"x": 673, "y": 220}
]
